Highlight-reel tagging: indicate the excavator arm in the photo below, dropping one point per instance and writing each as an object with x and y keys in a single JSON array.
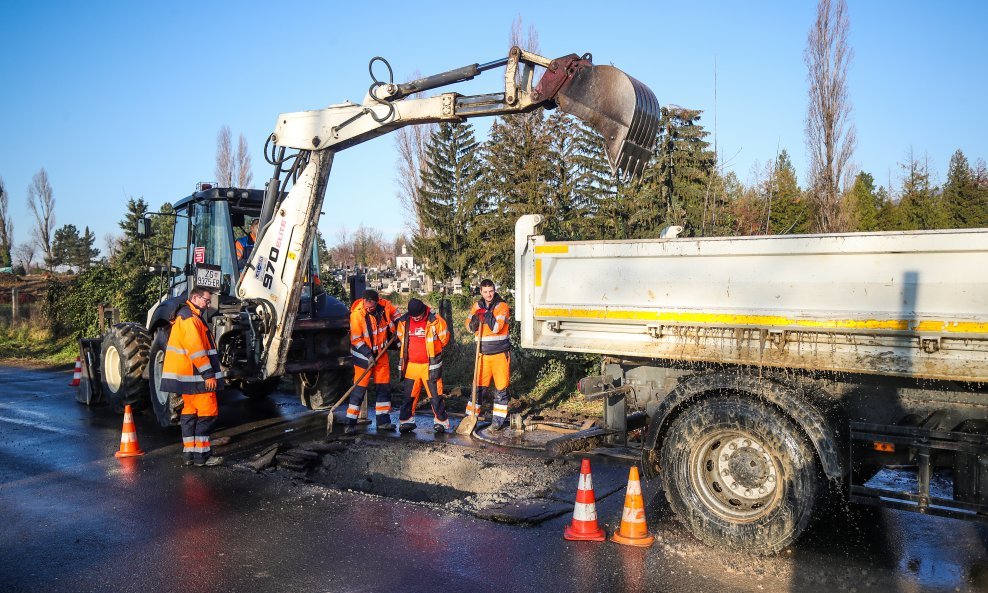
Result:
[{"x": 623, "y": 110}]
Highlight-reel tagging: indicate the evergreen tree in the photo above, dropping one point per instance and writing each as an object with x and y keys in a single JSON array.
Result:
[
  {"x": 447, "y": 209},
  {"x": 595, "y": 202},
  {"x": 965, "y": 205},
  {"x": 65, "y": 246},
  {"x": 87, "y": 250},
  {"x": 920, "y": 206},
  {"x": 674, "y": 188},
  {"x": 864, "y": 204},
  {"x": 789, "y": 211},
  {"x": 890, "y": 215},
  {"x": 516, "y": 165}
]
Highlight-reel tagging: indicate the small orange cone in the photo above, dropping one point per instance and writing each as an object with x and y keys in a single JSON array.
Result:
[
  {"x": 584, "y": 525},
  {"x": 633, "y": 531},
  {"x": 77, "y": 373},
  {"x": 128, "y": 438}
]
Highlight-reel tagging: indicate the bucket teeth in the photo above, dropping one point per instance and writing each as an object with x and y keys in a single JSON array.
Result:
[{"x": 623, "y": 110}]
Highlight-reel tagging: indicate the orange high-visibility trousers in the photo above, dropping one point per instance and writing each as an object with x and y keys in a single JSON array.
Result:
[
  {"x": 198, "y": 416},
  {"x": 496, "y": 367},
  {"x": 381, "y": 373}
]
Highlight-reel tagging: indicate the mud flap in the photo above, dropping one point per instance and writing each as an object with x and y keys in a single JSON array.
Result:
[
  {"x": 623, "y": 110},
  {"x": 91, "y": 386}
]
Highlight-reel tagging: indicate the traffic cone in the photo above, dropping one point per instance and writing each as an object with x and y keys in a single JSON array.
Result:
[
  {"x": 77, "y": 373},
  {"x": 584, "y": 525},
  {"x": 128, "y": 438},
  {"x": 633, "y": 531}
]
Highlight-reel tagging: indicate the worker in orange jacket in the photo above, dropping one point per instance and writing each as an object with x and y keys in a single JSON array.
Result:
[
  {"x": 245, "y": 245},
  {"x": 371, "y": 323},
  {"x": 423, "y": 335},
  {"x": 489, "y": 319},
  {"x": 192, "y": 369}
]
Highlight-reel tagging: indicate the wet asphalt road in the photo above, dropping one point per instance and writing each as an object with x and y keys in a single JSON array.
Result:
[{"x": 74, "y": 518}]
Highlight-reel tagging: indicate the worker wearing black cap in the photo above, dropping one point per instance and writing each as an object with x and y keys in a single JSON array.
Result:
[{"x": 423, "y": 335}]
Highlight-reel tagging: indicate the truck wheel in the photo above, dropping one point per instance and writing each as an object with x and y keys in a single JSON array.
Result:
[
  {"x": 739, "y": 474},
  {"x": 259, "y": 389},
  {"x": 166, "y": 405},
  {"x": 320, "y": 390},
  {"x": 124, "y": 356}
]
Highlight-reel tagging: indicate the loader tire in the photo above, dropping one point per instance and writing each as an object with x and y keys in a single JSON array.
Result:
[
  {"x": 319, "y": 390},
  {"x": 739, "y": 474},
  {"x": 166, "y": 405},
  {"x": 260, "y": 389},
  {"x": 124, "y": 356}
]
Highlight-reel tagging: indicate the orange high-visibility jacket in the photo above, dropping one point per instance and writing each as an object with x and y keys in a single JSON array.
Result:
[
  {"x": 190, "y": 357},
  {"x": 436, "y": 338},
  {"x": 495, "y": 317},
  {"x": 369, "y": 331}
]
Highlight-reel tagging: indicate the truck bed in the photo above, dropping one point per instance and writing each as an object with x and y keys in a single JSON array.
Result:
[{"x": 910, "y": 303}]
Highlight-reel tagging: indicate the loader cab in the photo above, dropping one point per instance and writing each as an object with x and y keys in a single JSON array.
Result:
[{"x": 207, "y": 225}]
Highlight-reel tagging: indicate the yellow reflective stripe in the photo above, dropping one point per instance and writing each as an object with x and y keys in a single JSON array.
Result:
[
  {"x": 947, "y": 326},
  {"x": 538, "y": 271},
  {"x": 552, "y": 249}
]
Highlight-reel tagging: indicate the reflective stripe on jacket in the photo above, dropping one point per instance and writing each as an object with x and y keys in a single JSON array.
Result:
[
  {"x": 495, "y": 317},
  {"x": 436, "y": 338},
  {"x": 244, "y": 245},
  {"x": 190, "y": 357},
  {"x": 369, "y": 331}
]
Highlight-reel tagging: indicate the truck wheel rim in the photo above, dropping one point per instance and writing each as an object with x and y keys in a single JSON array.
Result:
[
  {"x": 111, "y": 368},
  {"x": 735, "y": 475}
]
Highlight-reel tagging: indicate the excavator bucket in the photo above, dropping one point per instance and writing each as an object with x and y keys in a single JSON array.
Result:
[{"x": 623, "y": 110}]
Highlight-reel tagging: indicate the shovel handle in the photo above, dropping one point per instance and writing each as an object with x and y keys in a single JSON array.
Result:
[{"x": 329, "y": 419}]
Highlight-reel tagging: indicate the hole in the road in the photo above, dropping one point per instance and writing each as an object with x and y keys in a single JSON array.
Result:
[{"x": 438, "y": 473}]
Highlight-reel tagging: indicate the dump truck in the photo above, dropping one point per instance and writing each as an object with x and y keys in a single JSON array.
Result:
[{"x": 758, "y": 376}]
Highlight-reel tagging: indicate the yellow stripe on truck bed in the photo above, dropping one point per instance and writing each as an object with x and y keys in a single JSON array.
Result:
[{"x": 727, "y": 319}]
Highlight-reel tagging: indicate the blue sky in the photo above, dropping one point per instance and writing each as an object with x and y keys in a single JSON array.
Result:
[{"x": 125, "y": 99}]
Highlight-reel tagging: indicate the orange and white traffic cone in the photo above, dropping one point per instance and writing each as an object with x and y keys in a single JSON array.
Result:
[
  {"x": 77, "y": 373},
  {"x": 633, "y": 531},
  {"x": 128, "y": 438},
  {"x": 584, "y": 525}
]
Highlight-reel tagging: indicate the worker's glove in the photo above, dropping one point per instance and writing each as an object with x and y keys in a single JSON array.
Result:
[
  {"x": 211, "y": 384},
  {"x": 475, "y": 322}
]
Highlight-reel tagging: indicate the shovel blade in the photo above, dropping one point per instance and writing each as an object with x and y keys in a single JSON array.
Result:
[
  {"x": 467, "y": 425},
  {"x": 622, "y": 109}
]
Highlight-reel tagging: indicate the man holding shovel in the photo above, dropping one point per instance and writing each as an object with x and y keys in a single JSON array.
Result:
[
  {"x": 371, "y": 320},
  {"x": 489, "y": 321}
]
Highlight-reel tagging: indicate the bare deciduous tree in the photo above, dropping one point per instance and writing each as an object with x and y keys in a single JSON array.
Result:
[
  {"x": 41, "y": 202},
  {"x": 112, "y": 244},
  {"x": 6, "y": 227},
  {"x": 531, "y": 43},
  {"x": 830, "y": 135},
  {"x": 410, "y": 142},
  {"x": 24, "y": 254},
  {"x": 224, "y": 157},
  {"x": 241, "y": 164}
]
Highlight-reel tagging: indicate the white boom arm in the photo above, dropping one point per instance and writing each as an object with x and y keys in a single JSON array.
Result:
[{"x": 277, "y": 267}]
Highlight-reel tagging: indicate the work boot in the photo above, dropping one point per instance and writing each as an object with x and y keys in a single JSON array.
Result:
[
  {"x": 438, "y": 429},
  {"x": 213, "y": 461},
  {"x": 385, "y": 427},
  {"x": 496, "y": 426},
  {"x": 351, "y": 429},
  {"x": 406, "y": 427},
  {"x": 187, "y": 463}
]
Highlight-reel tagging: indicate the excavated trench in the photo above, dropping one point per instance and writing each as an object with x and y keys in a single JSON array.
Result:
[
  {"x": 472, "y": 481},
  {"x": 488, "y": 484}
]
